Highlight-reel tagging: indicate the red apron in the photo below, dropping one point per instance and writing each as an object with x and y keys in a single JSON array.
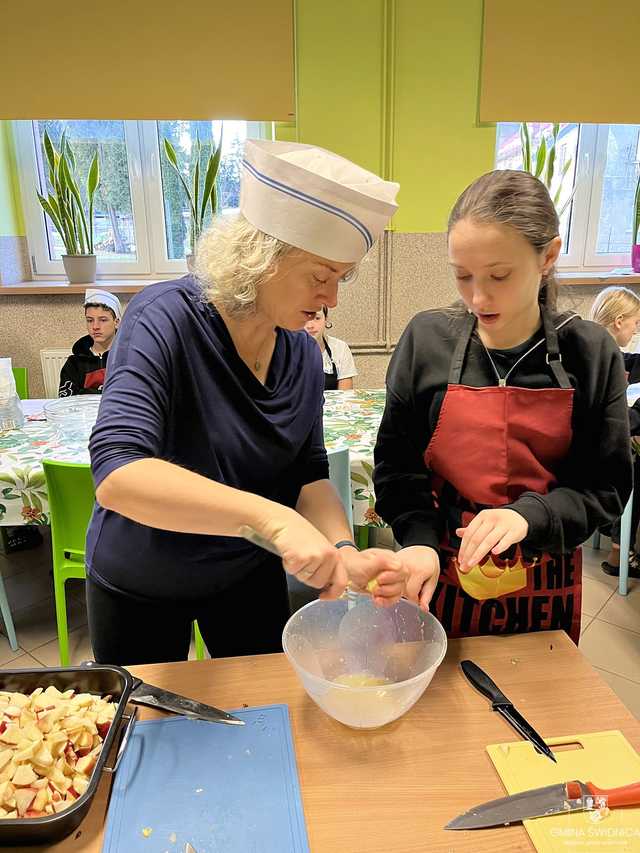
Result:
[{"x": 489, "y": 446}]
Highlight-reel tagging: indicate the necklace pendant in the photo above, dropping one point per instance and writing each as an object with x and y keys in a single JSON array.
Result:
[{"x": 257, "y": 365}]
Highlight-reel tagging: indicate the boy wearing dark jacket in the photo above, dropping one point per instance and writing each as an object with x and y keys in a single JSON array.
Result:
[{"x": 84, "y": 370}]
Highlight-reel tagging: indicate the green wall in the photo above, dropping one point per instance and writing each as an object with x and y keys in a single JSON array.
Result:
[
  {"x": 429, "y": 53},
  {"x": 11, "y": 219}
]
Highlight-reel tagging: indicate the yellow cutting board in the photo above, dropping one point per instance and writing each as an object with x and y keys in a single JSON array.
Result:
[{"x": 607, "y": 759}]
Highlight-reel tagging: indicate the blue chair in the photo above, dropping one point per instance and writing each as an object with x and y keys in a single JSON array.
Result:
[
  {"x": 6, "y": 615},
  {"x": 340, "y": 475},
  {"x": 625, "y": 544}
]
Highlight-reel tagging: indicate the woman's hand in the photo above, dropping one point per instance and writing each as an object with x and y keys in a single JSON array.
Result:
[
  {"x": 422, "y": 566},
  {"x": 306, "y": 553},
  {"x": 492, "y": 530},
  {"x": 379, "y": 565}
]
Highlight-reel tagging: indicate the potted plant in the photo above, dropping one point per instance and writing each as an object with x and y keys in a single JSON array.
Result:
[
  {"x": 542, "y": 163},
  {"x": 65, "y": 207},
  {"x": 635, "y": 230},
  {"x": 199, "y": 197}
]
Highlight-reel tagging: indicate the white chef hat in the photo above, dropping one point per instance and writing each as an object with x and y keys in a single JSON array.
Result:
[
  {"x": 314, "y": 200},
  {"x": 94, "y": 295}
]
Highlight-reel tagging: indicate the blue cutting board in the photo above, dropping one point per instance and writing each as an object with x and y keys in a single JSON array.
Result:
[{"x": 224, "y": 789}]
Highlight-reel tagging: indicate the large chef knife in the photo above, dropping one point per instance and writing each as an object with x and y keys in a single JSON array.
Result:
[
  {"x": 540, "y": 802},
  {"x": 504, "y": 706},
  {"x": 165, "y": 700}
]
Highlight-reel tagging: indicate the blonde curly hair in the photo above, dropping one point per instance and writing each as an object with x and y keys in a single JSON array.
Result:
[{"x": 233, "y": 258}]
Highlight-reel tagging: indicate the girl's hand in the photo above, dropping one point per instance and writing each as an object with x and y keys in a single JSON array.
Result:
[
  {"x": 422, "y": 566},
  {"x": 492, "y": 530}
]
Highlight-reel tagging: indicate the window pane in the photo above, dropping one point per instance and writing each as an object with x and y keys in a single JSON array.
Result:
[
  {"x": 618, "y": 187},
  {"x": 113, "y": 227},
  {"x": 509, "y": 156},
  {"x": 183, "y": 135}
]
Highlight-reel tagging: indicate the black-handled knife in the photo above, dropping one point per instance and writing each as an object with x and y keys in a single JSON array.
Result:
[{"x": 499, "y": 702}]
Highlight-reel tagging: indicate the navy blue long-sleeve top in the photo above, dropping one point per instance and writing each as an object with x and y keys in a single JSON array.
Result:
[{"x": 177, "y": 390}]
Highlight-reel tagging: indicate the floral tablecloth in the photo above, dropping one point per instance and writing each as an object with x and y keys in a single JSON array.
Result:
[{"x": 351, "y": 419}]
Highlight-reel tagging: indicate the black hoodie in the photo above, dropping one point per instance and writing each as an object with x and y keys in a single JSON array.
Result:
[
  {"x": 83, "y": 372},
  {"x": 595, "y": 478}
]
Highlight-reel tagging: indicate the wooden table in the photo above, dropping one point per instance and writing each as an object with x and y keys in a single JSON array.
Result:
[{"x": 393, "y": 789}]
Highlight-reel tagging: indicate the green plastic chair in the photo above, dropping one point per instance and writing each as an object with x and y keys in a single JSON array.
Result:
[
  {"x": 21, "y": 375},
  {"x": 71, "y": 499}
]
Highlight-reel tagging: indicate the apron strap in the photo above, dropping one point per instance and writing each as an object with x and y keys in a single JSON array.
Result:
[
  {"x": 554, "y": 358},
  {"x": 334, "y": 366},
  {"x": 457, "y": 363}
]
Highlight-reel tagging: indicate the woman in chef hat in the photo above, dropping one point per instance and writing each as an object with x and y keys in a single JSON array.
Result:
[{"x": 210, "y": 426}]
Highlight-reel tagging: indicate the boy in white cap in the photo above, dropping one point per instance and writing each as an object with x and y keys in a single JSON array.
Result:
[
  {"x": 84, "y": 370},
  {"x": 210, "y": 425}
]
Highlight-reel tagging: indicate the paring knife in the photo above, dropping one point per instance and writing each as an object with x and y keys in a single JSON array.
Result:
[
  {"x": 503, "y": 706},
  {"x": 165, "y": 700},
  {"x": 541, "y": 802}
]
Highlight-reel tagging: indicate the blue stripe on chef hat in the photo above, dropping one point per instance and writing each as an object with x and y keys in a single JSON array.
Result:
[{"x": 316, "y": 202}]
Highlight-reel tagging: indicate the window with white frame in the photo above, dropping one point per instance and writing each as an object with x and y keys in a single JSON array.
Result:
[
  {"x": 595, "y": 171},
  {"x": 142, "y": 215}
]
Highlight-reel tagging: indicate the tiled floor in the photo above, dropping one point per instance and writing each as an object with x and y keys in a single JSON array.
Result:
[{"x": 610, "y": 623}]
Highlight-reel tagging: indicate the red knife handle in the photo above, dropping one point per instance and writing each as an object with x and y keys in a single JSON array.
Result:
[{"x": 627, "y": 795}]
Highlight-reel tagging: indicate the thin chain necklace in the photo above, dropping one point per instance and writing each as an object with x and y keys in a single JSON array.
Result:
[
  {"x": 257, "y": 364},
  {"x": 502, "y": 380}
]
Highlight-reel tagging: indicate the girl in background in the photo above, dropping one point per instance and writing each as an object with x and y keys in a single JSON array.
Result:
[
  {"x": 618, "y": 310},
  {"x": 337, "y": 361}
]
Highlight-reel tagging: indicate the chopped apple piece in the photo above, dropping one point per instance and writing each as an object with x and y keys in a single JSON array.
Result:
[
  {"x": 11, "y": 735},
  {"x": 25, "y": 752},
  {"x": 11, "y": 711},
  {"x": 7, "y": 792},
  {"x": 20, "y": 700},
  {"x": 103, "y": 727},
  {"x": 80, "y": 784},
  {"x": 31, "y": 731},
  {"x": 40, "y": 801},
  {"x": 8, "y": 771},
  {"x": 24, "y": 775},
  {"x": 24, "y": 798},
  {"x": 87, "y": 762},
  {"x": 43, "y": 756},
  {"x": 5, "y": 757}
]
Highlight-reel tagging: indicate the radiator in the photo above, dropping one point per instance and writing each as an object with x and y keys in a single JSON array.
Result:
[{"x": 52, "y": 361}]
